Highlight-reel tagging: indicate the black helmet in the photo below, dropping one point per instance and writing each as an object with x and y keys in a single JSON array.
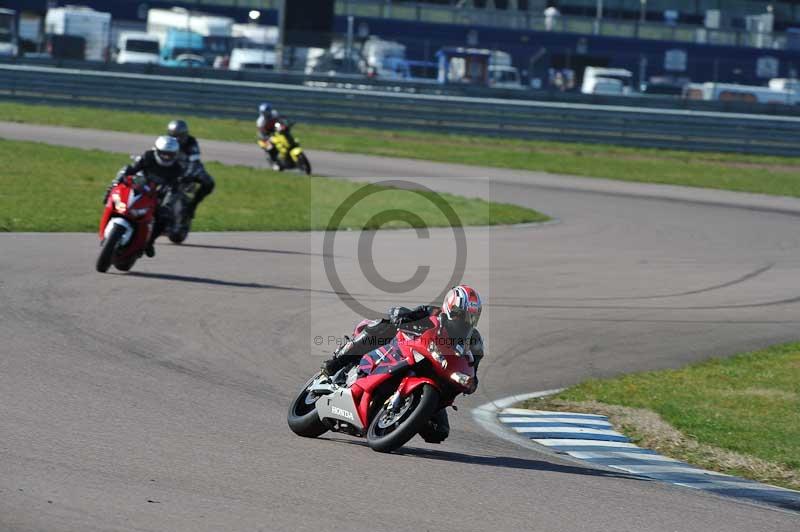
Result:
[{"x": 178, "y": 129}]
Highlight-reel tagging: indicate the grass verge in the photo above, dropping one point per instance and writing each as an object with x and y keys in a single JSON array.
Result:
[
  {"x": 738, "y": 415},
  {"x": 746, "y": 173},
  {"x": 51, "y": 188}
]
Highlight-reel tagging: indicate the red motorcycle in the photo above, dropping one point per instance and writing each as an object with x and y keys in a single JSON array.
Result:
[
  {"x": 393, "y": 392},
  {"x": 126, "y": 223}
]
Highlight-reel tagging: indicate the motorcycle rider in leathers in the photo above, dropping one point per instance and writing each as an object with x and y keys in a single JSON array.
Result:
[
  {"x": 459, "y": 314},
  {"x": 189, "y": 158},
  {"x": 265, "y": 124},
  {"x": 160, "y": 164}
]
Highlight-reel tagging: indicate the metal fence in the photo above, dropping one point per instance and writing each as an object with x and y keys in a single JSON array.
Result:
[{"x": 523, "y": 119}]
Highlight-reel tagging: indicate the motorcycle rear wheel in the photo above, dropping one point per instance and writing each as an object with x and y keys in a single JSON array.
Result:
[
  {"x": 303, "y": 418},
  {"x": 303, "y": 164},
  {"x": 386, "y": 434},
  {"x": 177, "y": 237},
  {"x": 109, "y": 246}
]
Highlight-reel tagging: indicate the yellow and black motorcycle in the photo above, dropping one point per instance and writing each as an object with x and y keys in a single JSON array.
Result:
[{"x": 289, "y": 153}]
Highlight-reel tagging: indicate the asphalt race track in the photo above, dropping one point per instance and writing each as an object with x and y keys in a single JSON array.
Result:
[{"x": 156, "y": 400}]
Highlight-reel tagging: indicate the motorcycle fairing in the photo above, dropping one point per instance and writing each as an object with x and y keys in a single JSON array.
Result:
[
  {"x": 295, "y": 153},
  {"x": 340, "y": 406},
  {"x": 126, "y": 237}
]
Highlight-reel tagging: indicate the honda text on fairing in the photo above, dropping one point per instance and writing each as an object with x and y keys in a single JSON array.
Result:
[
  {"x": 393, "y": 392},
  {"x": 126, "y": 222}
]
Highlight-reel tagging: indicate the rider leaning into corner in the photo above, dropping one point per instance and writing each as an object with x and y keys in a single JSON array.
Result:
[
  {"x": 161, "y": 164},
  {"x": 189, "y": 158},
  {"x": 268, "y": 116},
  {"x": 458, "y": 315}
]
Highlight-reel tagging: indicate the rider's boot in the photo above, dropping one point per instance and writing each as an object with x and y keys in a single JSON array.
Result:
[{"x": 437, "y": 429}]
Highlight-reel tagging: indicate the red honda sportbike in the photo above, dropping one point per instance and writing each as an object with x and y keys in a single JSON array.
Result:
[
  {"x": 392, "y": 393},
  {"x": 126, "y": 223}
]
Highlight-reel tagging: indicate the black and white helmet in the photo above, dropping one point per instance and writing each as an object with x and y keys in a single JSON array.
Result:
[
  {"x": 178, "y": 129},
  {"x": 166, "y": 150}
]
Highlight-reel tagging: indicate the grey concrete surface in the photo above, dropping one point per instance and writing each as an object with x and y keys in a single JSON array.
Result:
[{"x": 156, "y": 400}]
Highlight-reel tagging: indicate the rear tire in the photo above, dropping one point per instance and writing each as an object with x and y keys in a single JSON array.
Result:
[
  {"x": 179, "y": 236},
  {"x": 304, "y": 164},
  {"x": 109, "y": 246},
  {"x": 303, "y": 418},
  {"x": 384, "y": 439}
]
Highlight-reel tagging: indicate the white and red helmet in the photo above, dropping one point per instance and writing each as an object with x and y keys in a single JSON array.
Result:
[{"x": 462, "y": 303}]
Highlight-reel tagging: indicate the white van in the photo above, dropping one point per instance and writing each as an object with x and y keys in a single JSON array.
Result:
[
  {"x": 252, "y": 58},
  {"x": 611, "y": 81},
  {"x": 137, "y": 48}
]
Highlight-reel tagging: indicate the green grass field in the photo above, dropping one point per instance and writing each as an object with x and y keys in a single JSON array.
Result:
[
  {"x": 739, "y": 415},
  {"x": 767, "y": 175},
  {"x": 49, "y": 188}
]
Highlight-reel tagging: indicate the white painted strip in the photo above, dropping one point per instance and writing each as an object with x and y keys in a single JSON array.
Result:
[
  {"x": 571, "y": 430},
  {"x": 727, "y": 485},
  {"x": 525, "y": 411},
  {"x": 647, "y": 469},
  {"x": 569, "y": 442},
  {"x": 541, "y": 420},
  {"x": 586, "y": 455}
]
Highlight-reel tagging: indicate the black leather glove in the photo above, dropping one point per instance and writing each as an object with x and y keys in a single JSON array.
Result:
[{"x": 398, "y": 315}]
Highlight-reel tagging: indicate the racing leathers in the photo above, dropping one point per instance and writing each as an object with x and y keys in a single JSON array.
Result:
[
  {"x": 266, "y": 127},
  {"x": 189, "y": 158}
]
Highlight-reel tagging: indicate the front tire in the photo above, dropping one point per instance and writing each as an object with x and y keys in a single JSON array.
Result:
[
  {"x": 125, "y": 266},
  {"x": 109, "y": 246},
  {"x": 303, "y": 418},
  {"x": 390, "y": 431}
]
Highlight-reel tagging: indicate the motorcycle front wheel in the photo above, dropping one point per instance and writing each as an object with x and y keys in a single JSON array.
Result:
[
  {"x": 390, "y": 430},
  {"x": 109, "y": 246},
  {"x": 303, "y": 418}
]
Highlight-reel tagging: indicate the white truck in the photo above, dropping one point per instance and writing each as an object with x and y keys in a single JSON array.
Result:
[
  {"x": 385, "y": 59},
  {"x": 8, "y": 32},
  {"x": 730, "y": 92},
  {"x": 93, "y": 26},
  {"x": 608, "y": 81},
  {"x": 160, "y": 21},
  {"x": 502, "y": 74},
  {"x": 252, "y": 59},
  {"x": 137, "y": 48},
  {"x": 255, "y": 35}
]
